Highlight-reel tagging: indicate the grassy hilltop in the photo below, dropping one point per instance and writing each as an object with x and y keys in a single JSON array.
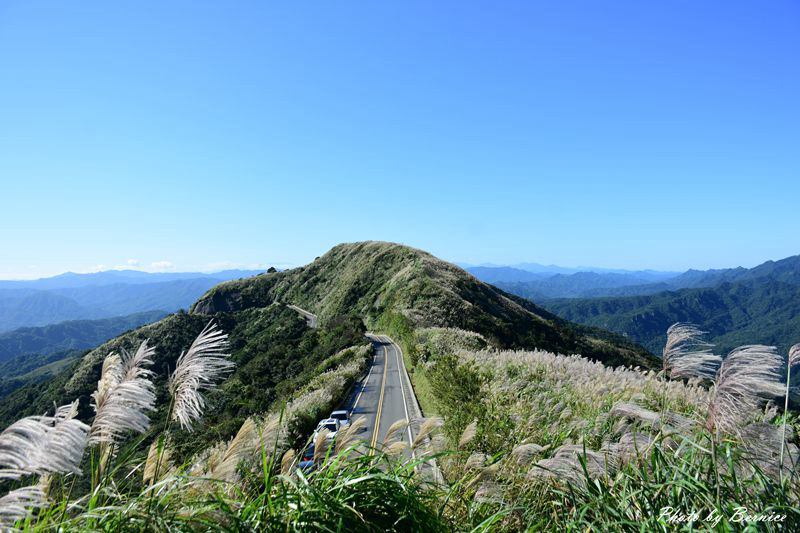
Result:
[{"x": 385, "y": 282}]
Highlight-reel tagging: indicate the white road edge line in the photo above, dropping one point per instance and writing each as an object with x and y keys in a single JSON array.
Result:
[
  {"x": 403, "y": 394},
  {"x": 437, "y": 476}
]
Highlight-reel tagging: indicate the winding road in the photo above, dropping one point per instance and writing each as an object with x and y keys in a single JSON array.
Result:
[{"x": 384, "y": 396}]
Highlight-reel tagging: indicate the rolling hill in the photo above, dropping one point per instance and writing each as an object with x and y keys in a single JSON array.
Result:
[
  {"x": 382, "y": 282},
  {"x": 31, "y": 355}
]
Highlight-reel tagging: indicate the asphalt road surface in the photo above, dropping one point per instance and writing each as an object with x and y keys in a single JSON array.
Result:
[
  {"x": 311, "y": 318},
  {"x": 382, "y": 397}
]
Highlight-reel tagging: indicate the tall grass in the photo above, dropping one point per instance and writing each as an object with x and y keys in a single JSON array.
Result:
[
  {"x": 54, "y": 445},
  {"x": 349, "y": 491},
  {"x": 568, "y": 444},
  {"x": 530, "y": 440}
]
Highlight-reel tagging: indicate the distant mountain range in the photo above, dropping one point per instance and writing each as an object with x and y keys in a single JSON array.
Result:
[
  {"x": 47, "y": 322},
  {"x": 545, "y": 285},
  {"x": 736, "y": 306},
  {"x": 30, "y": 355},
  {"x": 111, "y": 277},
  {"x": 108, "y": 294},
  {"x": 540, "y": 285},
  {"x": 70, "y": 335},
  {"x": 538, "y": 268}
]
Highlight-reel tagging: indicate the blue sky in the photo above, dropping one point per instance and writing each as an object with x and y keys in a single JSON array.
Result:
[{"x": 199, "y": 135}]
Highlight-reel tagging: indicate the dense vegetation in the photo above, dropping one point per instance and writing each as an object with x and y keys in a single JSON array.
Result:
[
  {"x": 176, "y": 436},
  {"x": 562, "y": 444},
  {"x": 34, "y": 368},
  {"x": 530, "y": 440}
]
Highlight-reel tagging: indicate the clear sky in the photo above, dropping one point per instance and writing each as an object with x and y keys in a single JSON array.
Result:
[{"x": 199, "y": 135}]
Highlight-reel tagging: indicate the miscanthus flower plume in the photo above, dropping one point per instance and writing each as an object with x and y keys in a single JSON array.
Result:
[
  {"x": 687, "y": 355},
  {"x": 124, "y": 395},
  {"x": 747, "y": 377},
  {"x": 199, "y": 368},
  {"x": 43, "y": 444}
]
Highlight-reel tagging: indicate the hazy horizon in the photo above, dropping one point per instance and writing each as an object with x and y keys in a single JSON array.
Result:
[{"x": 176, "y": 269}]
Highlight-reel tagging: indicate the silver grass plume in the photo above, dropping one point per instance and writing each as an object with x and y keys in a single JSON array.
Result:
[
  {"x": 20, "y": 446},
  {"x": 395, "y": 430},
  {"x": 794, "y": 358},
  {"x": 469, "y": 433},
  {"x": 524, "y": 453},
  {"x": 346, "y": 437},
  {"x": 198, "y": 368},
  {"x": 287, "y": 461},
  {"x": 159, "y": 458},
  {"x": 65, "y": 442},
  {"x": 17, "y": 504},
  {"x": 748, "y": 376},
  {"x": 396, "y": 449},
  {"x": 475, "y": 461},
  {"x": 43, "y": 444},
  {"x": 428, "y": 426},
  {"x": 124, "y": 395},
  {"x": 686, "y": 355},
  {"x": 794, "y": 355},
  {"x": 321, "y": 445},
  {"x": 240, "y": 448}
]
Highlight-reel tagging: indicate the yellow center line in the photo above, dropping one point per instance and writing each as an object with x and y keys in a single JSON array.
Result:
[{"x": 380, "y": 404}]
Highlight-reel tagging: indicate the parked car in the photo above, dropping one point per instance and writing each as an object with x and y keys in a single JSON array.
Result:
[
  {"x": 307, "y": 463},
  {"x": 343, "y": 417},
  {"x": 331, "y": 424}
]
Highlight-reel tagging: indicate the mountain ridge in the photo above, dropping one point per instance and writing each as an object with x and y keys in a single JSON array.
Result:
[
  {"x": 69, "y": 335},
  {"x": 372, "y": 278},
  {"x": 34, "y": 306},
  {"x": 610, "y": 284}
]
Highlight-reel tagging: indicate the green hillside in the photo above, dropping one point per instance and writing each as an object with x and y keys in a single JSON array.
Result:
[
  {"x": 385, "y": 283},
  {"x": 275, "y": 354}
]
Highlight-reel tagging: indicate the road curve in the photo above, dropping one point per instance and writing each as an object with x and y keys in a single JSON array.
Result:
[{"x": 311, "y": 318}]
